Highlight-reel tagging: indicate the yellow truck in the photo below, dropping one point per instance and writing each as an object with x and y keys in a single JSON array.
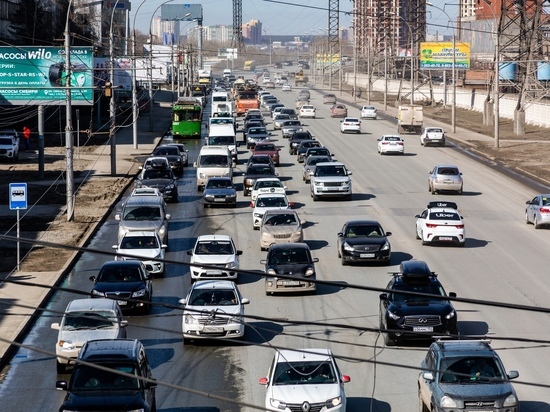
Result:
[{"x": 300, "y": 79}]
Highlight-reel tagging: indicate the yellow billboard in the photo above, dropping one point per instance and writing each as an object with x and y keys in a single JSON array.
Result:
[{"x": 439, "y": 55}]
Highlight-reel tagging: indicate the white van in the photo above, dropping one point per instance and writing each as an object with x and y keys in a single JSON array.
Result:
[
  {"x": 221, "y": 103},
  {"x": 213, "y": 161},
  {"x": 223, "y": 134}
]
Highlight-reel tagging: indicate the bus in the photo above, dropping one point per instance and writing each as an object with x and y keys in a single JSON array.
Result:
[
  {"x": 186, "y": 118},
  {"x": 249, "y": 65}
]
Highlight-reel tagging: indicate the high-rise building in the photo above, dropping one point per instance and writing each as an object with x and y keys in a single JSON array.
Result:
[{"x": 252, "y": 32}]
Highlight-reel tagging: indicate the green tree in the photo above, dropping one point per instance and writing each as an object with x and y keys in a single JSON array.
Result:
[{"x": 31, "y": 24}]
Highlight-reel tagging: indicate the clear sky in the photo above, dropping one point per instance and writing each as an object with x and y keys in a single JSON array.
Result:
[{"x": 305, "y": 17}]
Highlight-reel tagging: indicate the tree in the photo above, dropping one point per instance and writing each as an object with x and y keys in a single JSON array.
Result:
[{"x": 29, "y": 24}]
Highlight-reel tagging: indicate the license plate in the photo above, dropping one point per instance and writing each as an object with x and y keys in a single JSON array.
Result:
[
  {"x": 219, "y": 200},
  {"x": 448, "y": 182},
  {"x": 211, "y": 329},
  {"x": 122, "y": 302},
  {"x": 423, "y": 329},
  {"x": 366, "y": 255},
  {"x": 393, "y": 144},
  {"x": 445, "y": 238},
  {"x": 214, "y": 272},
  {"x": 291, "y": 283}
]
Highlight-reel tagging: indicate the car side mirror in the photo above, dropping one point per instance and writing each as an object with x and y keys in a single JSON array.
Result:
[
  {"x": 168, "y": 216},
  {"x": 513, "y": 374},
  {"x": 92, "y": 278},
  {"x": 164, "y": 246},
  {"x": 149, "y": 384},
  {"x": 452, "y": 294},
  {"x": 383, "y": 296},
  {"x": 263, "y": 261},
  {"x": 61, "y": 385},
  {"x": 429, "y": 376},
  {"x": 388, "y": 233},
  {"x": 349, "y": 173},
  {"x": 315, "y": 260},
  {"x": 117, "y": 216},
  {"x": 345, "y": 379},
  {"x": 263, "y": 381},
  {"x": 239, "y": 252},
  {"x": 55, "y": 326},
  {"x": 182, "y": 302},
  {"x": 114, "y": 247},
  {"x": 123, "y": 323},
  {"x": 378, "y": 140},
  {"x": 245, "y": 301},
  {"x": 190, "y": 252},
  {"x": 417, "y": 216}
]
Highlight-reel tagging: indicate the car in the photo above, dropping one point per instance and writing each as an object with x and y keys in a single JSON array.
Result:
[
  {"x": 253, "y": 115},
  {"x": 262, "y": 159},
  {"x": 173, "y": 154},
  {"x": 125, "y": 378},
  {"x": 278, "y": 65},
  {"x": 361, "y": 241},
  {"x": 303, "y": 146},
  {"x": 279, "y": 119},
  {"x": 301, "y": 101},
  {"x": 257, "y": 171},
  {"x": 219, "y": 253},
  {"x": 440, "y": 222},
  {"x": 307, "y": 111},
  {"x": 405, "y": 316},
  {"x": 291, "y": 112},
  {"x": 82, "y": 320},
  {"x": 280, "y": 226},
  {"x": 307, "y": 379},
  {"x": 289, "y": 127},
  {"x": 269, "y": 149},
  {"x": 161, "y": 179},
  {"x": 127, "y": 282},
  {"x": 445, "y": 178},
  {"x": 331, "y": 179},
  {"x": 255, "y": 135},
  {"x": 272, "y": 106},
  {"x": 305, "y": 93},
  {"x": 338, "y": 110},
  {"x": 219, "y": 191},
  {"x": 154, "y": 162},
  {"x": 294, "y": 262},
  {"x": 268, "y": 101},
  {"x": 350, "y": 124},
  {"x": 329, "y": 98},
  {"x": 537, "y": 211},
  {"x": 318, "y": 151},
  {"x": 389, "y": 143},
  {"x": 432, "y": 136},
  {"x": 183, "y": 152},
  {"x": 269, "y": 85},
  {"x": 296, "y": 138},
  {"x": 286, "y": 87},
  {"x": 213, "y": 309},
  {"x": 368, "y": 112},
  {"x": 145, "y": 246},
  {"x": 309, "y": 165},
  {"x": 465, "y": 375},
  {"x": 267, "y": 185},
  {"x": 265, "y": 202},
  {"x": 9, "y": 147},
  {"x": 276, "y": 111}
]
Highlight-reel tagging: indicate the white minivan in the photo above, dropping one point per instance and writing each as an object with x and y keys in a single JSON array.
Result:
[
  {"x": 223, "y": 134},
  {"x": 213, "y": 161}
]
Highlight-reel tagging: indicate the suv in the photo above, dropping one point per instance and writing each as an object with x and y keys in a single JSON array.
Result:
[
  {"x": 331, "y": 179},
  {"x": 129, "y": 385},
  {"x": 220, "y": 255},
  {"x": 465, "y": 375},
  {"x": 9, "y": 146}
]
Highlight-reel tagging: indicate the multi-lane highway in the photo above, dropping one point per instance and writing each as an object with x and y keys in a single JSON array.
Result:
[{"x": 504, "y": 260}]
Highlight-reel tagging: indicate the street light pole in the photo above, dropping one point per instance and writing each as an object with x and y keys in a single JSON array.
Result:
[
  {"x": 412, "y": 53},
  {"x": 112, "y": 101},
  {"x": 69, "y": 122}
]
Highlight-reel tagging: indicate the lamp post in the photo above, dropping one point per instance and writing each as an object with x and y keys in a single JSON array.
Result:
[
  {"x": 68, "y": 122},
  {"x": 412, "y": 53},
  {"x": 134, "y": 81},
  {"x": 453, "y": 111},
  {"x": 112, "y": 101}
]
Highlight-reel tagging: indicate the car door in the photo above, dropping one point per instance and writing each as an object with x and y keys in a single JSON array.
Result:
[
  {"x": 425, "y": 386},
  {"x": 535, "y": 208},
  {"x": 421, "y": 223}
]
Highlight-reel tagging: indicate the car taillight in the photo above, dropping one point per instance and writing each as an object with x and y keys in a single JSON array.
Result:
[
  {"x": 431, "y": 225},
  {"x": 544, "y": 210},
  {"x": 460, "y": 226},
  {"x": 383, "y": 143},
  {"x": 400, "y": 143}
]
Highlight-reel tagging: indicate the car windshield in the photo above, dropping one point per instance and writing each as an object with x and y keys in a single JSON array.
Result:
[
  {"x": 221, "y": 140},
  {"x": 219, "y": 184},
  {"x": 447, "y": 171},
  {"x": 260, "y": 159},
  {"x": 330, "y": 171},
  {"x": 119, "y": 274},
  {"x": 315, "y": 160},
  {"x": 139, "y": 242},
  {"x": 470, "y": 370},
  {"x": 166, "y": 151},
  {"x": 142, "y": 213},
  {"x": 282, "y": 117},
  {"x": 214, "y": 247},
  {"x": 88, "y": 378},
  {"x": 89, "y": 320},
  {"x": 149, "y": 174},
  {"x": 214, "y": 160},
  {"x": 260, "y": 170},
  {"x": 444, "y": 216},
  {"x": 258, "y": 130},
  {"x": 268, "y": 183},
  {"x": 364, "y": 231},
  {"x": 280, "y": 220},
  {"x": 267, "y": 201},
  {"x": 304, "y": 373},
  {"x": 313, "y": 151},
  {"x": 5, "y": 141},
  {"x": 428, "y": 288},
  {"x": 212, "y": 297},
  {"x": 289, "y": 256},
  {"x": 266, "y": 148}
]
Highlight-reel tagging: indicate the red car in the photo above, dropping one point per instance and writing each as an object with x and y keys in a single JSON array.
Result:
[
  {"x": 267, "y": 148},
  {"x": 338, "y": 110}
]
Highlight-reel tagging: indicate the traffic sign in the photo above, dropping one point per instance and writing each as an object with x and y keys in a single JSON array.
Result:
[{"x": 18, "y": 196}]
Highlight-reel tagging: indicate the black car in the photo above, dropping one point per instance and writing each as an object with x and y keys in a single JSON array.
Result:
[
  {"x": 263, "y": 159},
  {"x": 318, "y": 151},
  {"x": 162, "y": 179},
  {"x": 172, "y": 153},
  {"x": 289, "y": 259},
  {"x": 296, "y": 138},
  {"x": 254, "y": 172},
  {"x": 183, "y": 152},
  {"x": 256, "y": 135},
  {"x": 254, "y": 117},
  {"x": 126, "y": 281},
  {"x": 362, "y": 241},
  {"x": 291, "y": 112},
  {"x": 219, "y": 191},
  {"x": 303, "y": 146},
  {"x": 406, "y": 316}
]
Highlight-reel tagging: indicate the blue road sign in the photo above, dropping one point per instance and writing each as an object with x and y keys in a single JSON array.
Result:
[{"x": 18, "y": 196}]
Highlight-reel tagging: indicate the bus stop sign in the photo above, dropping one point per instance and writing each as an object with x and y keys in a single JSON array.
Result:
[{"x": 18, "y": 196}]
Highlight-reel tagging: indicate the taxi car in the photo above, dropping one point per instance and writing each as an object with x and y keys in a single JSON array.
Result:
[
  {"x": 440, "y": 222},
  {"x": 267, "y": 185}
]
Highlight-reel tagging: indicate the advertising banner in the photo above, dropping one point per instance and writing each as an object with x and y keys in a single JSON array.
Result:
[
  {"x": 439, "y": 55},
  {"x": 38, "y": 76}
]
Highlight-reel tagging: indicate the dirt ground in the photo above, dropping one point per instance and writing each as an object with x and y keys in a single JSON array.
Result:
[{"x": 95, "y": 196}]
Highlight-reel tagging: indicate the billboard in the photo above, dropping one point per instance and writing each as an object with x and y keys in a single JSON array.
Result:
[
  {"x": 37, "y": 76},
  {"x": 439, "y": 55}
]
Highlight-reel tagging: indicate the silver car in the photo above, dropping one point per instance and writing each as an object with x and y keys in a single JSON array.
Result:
[
  {"x": 280, "y": 226},
  {"x": 309, "y": 166},
  {"x": 537, "y": 211},
  {"x": 443, "y": 178}
]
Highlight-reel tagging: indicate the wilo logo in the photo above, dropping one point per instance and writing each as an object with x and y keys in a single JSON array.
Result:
[{"x": 39, "y": 54}]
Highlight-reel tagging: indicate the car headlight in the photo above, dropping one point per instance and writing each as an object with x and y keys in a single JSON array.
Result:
[
  {"x": 511, "y": 400},
  {"x": 259, "y": 215},
  {"x": 139, "y": 293},
  {"x": 309, "y": 271},
  {"x": 98, "y": 293},
  {"x": 67, "y": 344},
  {"x": 450, "y": 315},
  {"x": 202, "y": 175},
  {"x": 386, "y": 246},
  {"x": 344, "y": 183},
  {"x": 347, "y": 247},
  {"x": 393, "y": 315},
  {"x": 331, "y": 403},
  {"x": 232, "y": 195},
  {"x": 271, "y": 272},
  {"x": 317, "y": 183},
  {"x": 230, "y": 265},
  {"x": 447, "y": 402},
  {"x": 277, "y": 404},
  {"x": 169, "y": 187},
  {"x": 190, "y": 320}
]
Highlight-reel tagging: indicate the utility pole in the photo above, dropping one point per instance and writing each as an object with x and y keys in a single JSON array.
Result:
[{"x": 69, "y": 122}]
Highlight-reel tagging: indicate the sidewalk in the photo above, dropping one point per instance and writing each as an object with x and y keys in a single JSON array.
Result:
[{"x": 18, "y": 303}]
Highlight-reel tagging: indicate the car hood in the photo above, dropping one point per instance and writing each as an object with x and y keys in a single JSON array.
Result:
[
  {"x": 78, "y": 337},
  {"x": 212, "y": 259},
  {"x": 213, "y": 311},
  {"x": 297, "y": 394},
  {"x": 291, "y": 269},
  {"x": 172, "y": 158},
  {"x": 477, "y": 391},
  {"x": 143, "y": 225},
  {"x": 332, "y": 178},
  {"x": 280, "y": 229},
  {"x": 421, "y": 307},
  {"x": 218, "y": 192},
  {"x": 156, "y": 183},
  {"x": 361, "y": 241},
  {"x": 246, "y": 177},
  {"x": 140, "y": 253},
  {"x": 123, "y": 400},
  {"x": 119, "y": 286}
]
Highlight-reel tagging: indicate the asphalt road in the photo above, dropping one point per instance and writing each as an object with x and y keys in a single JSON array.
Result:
[{"x": 504, "y": 260}]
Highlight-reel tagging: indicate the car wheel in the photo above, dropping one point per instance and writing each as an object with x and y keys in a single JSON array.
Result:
[
  {"x": 421, "y": 406},
  {"x": 536, "y": 223},
  {"x": 60, "y": 367},
  {"x": 255, "y": 227},
  {"x": 388, "y": 340},
  {"x": 315, "y": 197},
  {"x": 343, "y": 261},
  {"x": 460, "y": 191},
  {"x": 422, "y": 237},
  {"x": 527, "y": 221},
  {"x": 416, "y": 234},
  {"x": 433, "y": 190}
]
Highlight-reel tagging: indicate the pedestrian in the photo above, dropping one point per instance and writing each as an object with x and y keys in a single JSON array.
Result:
[
  {"x": 359, "y": 93},
  {"x": 27, "y": 137},
  {"x": 352, "y": 91}
]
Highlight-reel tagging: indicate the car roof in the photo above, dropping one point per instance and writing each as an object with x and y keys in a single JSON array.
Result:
[
  {"x": 122, "y": 263},
  {"x": 289, "y": 245},
  {"x": 140, "y": 233},
  {"x": 90, "y": 304},
  {"x": 331, "y": 164},
  {"x": 360, "y": 222},
  {"x": 206, "y": 238},
  {"x": 441, "y": 166},
  {"x": 214, "y": 284},
  {"x": 464, "y": 347},
  {"x": 310, "y": 355},
  {"x": 144, "y": 200},
  {"x": 119, "y": 349}
]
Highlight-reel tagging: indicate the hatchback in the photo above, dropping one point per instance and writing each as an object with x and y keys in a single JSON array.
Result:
[
  {"x": 338, "y": 110},
  {"x": 329, "y": 98},
  {"x": 443, "y": 178}
]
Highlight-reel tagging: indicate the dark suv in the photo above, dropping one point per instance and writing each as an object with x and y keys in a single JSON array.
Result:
[
  {"x": 465, "y": 375},
  {"x": 128, "y": 385}
]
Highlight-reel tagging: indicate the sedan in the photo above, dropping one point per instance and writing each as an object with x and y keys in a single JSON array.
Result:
[
  {"x": 303, "y": 146},
  {"x": 289, "y": 127},
  {"x": 280, "y": 226},
  {"x": 267, "y": 185},
  {"x": 269, "y": 85},
  {"x": 304, "y": 380},
  {"x": 219, "y": 191},
  {"x": 255, "y": 172},
  {"x": 368, "y": 112},
  {"x": 329, "y": 98},
  {"x": 268, "y": 149},
  {"x": 213, "y": 309},
  {"x": 287, "y": 87},
  {"x": 255, "y": 135},
  {"x": 391, "y": 144},
  {"x": 338, "y": 110},
  {"x": 163, "y": 180},
  {"x": 307, "y": 111},
  {"x": 350, "y": 124},
  {"x": 173, "y": 154},
  {"x": 279, "y": 119},
  {"x": 445, "y": 178},
  {"x": 145, "y": 246},
  {"x": 362, "y": 241},
  {"x": 219, "y": 253},
  {"x": 537, "y": 211},
  {"x": 440, "y": 223}
]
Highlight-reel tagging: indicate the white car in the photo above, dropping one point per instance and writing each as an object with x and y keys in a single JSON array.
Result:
[
  {"x": 86, "y": 319},
  {"x": 307, "y": 111},
  {"x": 213, "y": 309},
  {"x": 219, "y": 253},
  {"x": 432, "y": 136},
  {"x": 267, "y": 185},
  {"x": 368, "y": 112},
  {"x": 287, "y": 87},
  {"x": 279, "y": 119},
  {"x": 350, "y": 124},
  {"x": 265, "y": 202},
  {"x": 304, "y": 380},
  {"x": 440, "y": 222},
  {"x": 145, "y": 246},
  {"x": 389, "y": 143}
]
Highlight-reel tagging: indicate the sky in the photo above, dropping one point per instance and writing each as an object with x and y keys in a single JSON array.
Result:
[{"x": 295, "y": 17}]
